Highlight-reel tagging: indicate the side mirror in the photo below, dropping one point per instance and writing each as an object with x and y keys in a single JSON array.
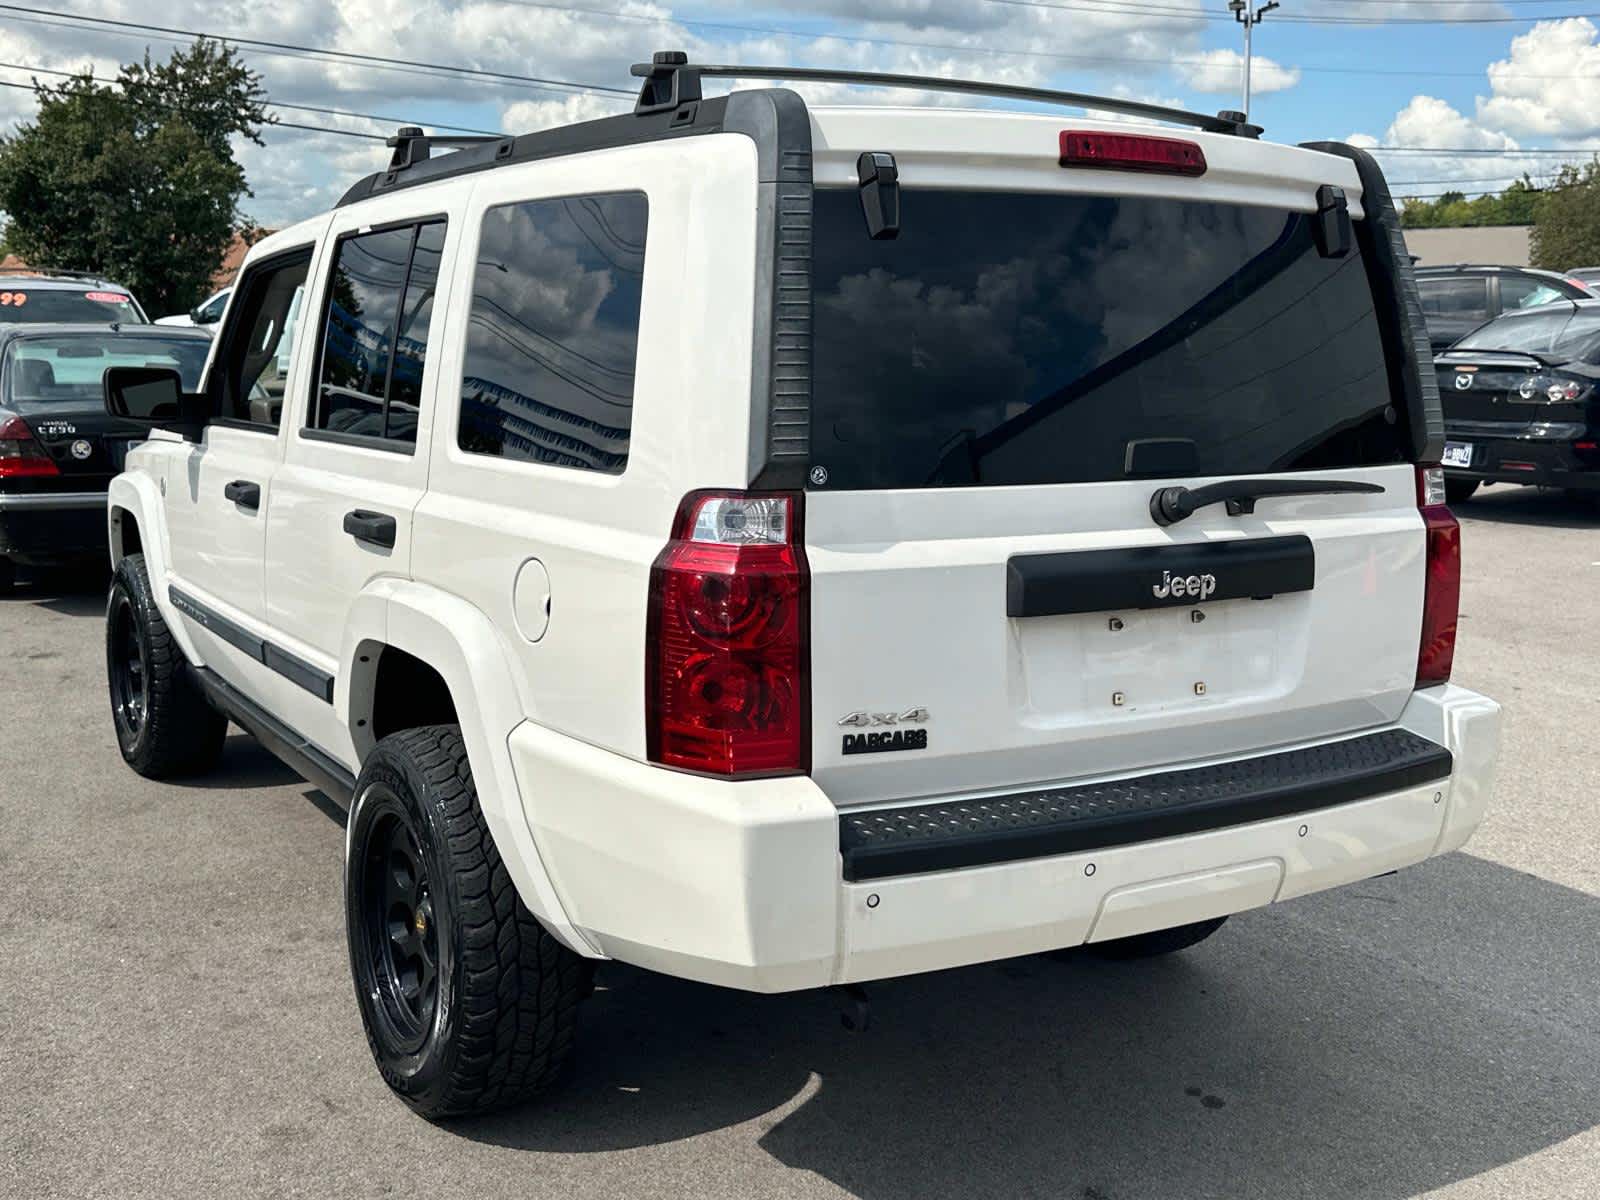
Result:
[
  {"x": 153, "y": 396},
  {"x": 201, "y": 317}
]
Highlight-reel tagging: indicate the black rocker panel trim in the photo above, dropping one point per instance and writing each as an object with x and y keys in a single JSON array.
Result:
[
  {"x": 309, "y": 761},
  {"x": 944, "y": 836},
  {"x": 293, "y": 668},
  {"x": 1089, "y": 581}
]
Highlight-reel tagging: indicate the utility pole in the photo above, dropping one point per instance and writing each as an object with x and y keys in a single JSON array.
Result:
[{"x": 1247, "y": 14}]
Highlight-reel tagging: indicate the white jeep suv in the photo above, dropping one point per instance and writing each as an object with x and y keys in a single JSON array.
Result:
[{"x": 786, "y": 547}]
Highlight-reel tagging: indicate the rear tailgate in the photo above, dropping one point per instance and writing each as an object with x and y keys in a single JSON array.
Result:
[{"x": 998, "y": 393}]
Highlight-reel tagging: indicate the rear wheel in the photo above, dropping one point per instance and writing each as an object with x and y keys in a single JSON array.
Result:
[
  {"x": 165, "y": 726},
  {"x": 1157, "y": 942},
  {"x": 1459, "y": 491},
  {"x": 8, "y": 575},
  {"x": 469, "y": 1004}
]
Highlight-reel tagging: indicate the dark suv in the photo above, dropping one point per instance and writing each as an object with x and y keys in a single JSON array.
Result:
[{"x": 1456, "y": 300}]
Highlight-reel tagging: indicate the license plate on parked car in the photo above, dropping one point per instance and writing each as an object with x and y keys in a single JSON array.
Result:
[{"x": 1457, "y": 454}]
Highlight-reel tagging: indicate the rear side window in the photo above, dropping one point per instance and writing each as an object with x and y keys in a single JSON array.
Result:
[
  {"x": 1520, "y": 291},
  {"x": 375, "y": 335},
  {"x": 554, "y": 332},
  {"x": 1036, "y": 339},
  {"x": 1463, "y": 297}
]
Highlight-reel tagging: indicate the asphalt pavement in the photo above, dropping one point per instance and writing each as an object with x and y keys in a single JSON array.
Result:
[{"x": 176, "y": 1015}]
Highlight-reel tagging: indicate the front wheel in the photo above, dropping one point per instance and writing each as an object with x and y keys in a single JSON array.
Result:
[
  {"x": 1459, "y": 491},
  {"x": 165, "y": 726},
  {"x": 469, "y": 1004}
]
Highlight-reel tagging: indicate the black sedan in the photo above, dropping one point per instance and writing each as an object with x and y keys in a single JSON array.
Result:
[
  {"x": 1521, "y": 402},
  {"x": 58, "y": 448}
]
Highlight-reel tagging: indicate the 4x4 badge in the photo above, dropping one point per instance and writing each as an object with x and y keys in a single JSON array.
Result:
[{"x": 911, "y": 716}]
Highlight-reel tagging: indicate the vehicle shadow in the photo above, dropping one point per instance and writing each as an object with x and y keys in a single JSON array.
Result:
[
  {"x": 1379, "y": 1041},
  {"x": 245, "y": 764},
  {"x": 79, "y": 592},
  {"x": 1508, "y": 504}
]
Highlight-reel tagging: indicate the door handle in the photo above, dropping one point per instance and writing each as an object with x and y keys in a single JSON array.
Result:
[
  {"x": 244, "y": 493},
  {"x": 374, "y": 528}
]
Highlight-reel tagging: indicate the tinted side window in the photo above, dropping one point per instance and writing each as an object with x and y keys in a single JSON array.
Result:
[
  {"x": 1464, "y": 297},
  {"x": 256, "y": 358},
  {"x": 375, "y": 332},
  {"x": 554, "y": 331},
  {"x": 1520, "y": 291}
]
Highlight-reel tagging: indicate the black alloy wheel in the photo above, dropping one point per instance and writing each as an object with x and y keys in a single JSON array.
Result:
[
  {"x": 400, "y": 936},
  {"x": 127, "y": 666}
]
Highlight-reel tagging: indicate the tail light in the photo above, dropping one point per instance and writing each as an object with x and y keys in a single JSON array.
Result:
[
  {"x": 1131, "y": 152},
  {"x": 1441, "y": 601},
  {"x": 727, "y": 688},
  {"x": 20, "y": 455}
]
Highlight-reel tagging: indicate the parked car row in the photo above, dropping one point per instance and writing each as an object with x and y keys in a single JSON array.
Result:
[{"x": 1517, "y": 356}]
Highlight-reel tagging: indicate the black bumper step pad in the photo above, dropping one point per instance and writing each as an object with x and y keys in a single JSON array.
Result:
[{"x": 885, "y": 842}]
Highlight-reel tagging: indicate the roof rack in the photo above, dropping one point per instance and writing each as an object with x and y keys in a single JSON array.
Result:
[
  {"x": 411, "y": 145},
  {"x": 670, "y": 79},
  {"x": 52, "y": 272}
]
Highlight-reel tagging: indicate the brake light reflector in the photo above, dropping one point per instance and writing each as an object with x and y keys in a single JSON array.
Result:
[
  {"x": 727, "y": 687},
  {"x": 1131, "y": 152},
  {"x": 20, "y": 455},
  {"x": 1441, "y": 602}
]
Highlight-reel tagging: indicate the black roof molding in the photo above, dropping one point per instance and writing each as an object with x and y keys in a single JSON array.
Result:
[{"x": 671, "y": 79}]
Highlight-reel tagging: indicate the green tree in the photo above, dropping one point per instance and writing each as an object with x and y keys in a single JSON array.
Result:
[
  {"x": 1514, "y": 206},
  {"x": 1566, "y": 232},
  {"x": 136, "y": 178}
]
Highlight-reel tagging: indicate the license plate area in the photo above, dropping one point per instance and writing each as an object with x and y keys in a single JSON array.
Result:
[
  {"x": 1457, "y": 454},
  {"x": 1103, "y": 666}
]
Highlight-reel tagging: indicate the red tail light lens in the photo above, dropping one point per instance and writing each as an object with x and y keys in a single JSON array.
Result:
[
  {"x": 20, "y": 455},
  {"x": 1131, "y": 152},
  {"x": 1441, "y": 602},
  {"x": 727, "y": 687}
]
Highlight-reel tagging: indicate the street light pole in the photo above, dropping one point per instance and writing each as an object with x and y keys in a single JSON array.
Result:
[{"x": 1247, "y": 14}]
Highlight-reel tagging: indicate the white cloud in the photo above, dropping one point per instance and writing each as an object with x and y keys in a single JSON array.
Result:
[
  {"x": 1221, "y": 71},
  {"x": 1550, "y": 85},
  {"x": 1546, "y": 91}
]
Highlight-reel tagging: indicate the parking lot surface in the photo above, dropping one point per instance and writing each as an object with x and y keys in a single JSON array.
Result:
[{"x": 176, "y": 1016}]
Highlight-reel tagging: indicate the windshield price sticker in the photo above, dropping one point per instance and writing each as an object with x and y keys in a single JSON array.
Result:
[
  {"x": 106, "y": 297},
  {"x": 13, "y": 299}
]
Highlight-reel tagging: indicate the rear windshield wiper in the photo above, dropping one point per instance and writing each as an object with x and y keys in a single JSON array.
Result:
[{"x": 1170, "y": 505}]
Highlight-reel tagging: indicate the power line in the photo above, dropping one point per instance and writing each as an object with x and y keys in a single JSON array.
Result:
[
  {"x": 1474, "y": 152},
  {"x": 372, "y": 137},
  {"x": 331, "y": 112},
  {"x": 533, "y": 81},
  {"x": 1302, "y": 19}
]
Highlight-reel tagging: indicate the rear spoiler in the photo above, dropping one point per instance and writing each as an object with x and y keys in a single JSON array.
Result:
[{"x": 1405, "y": 332}]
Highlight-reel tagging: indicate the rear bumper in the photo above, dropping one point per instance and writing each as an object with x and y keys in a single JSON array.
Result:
[
  {"x": 43, "y": 528},
  {"x": 744, "y": 884},
  {"x": 1527, "y": 454}
]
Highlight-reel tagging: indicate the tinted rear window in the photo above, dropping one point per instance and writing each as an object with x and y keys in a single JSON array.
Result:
[
  {"x": 1030, "y": 339},
  {"x": 1555, "y": 331},
  {"x": 21, "y": 304},
  {"x": 70, "y": 367}
]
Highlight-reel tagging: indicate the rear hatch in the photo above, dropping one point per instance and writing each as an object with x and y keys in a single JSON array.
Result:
[{"x": 998, "y": 393}]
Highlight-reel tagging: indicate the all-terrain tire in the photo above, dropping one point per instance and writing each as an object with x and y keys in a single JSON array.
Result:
[
  {"x": 498, "y": 1024},
  {"x": 1459, "y": 491},
  {"x": 165, "y": 725},
  {"x": 1157, "y": 942}
]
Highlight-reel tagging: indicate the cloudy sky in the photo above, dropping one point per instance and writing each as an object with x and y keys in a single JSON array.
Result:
[{"x": 1431, "y": 77}]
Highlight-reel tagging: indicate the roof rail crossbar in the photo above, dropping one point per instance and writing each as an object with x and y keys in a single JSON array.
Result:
[
  {"x": 411, "y": 145},
  {"x": 91, "y": 276},
  {"x": 670, "y": 79}
]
